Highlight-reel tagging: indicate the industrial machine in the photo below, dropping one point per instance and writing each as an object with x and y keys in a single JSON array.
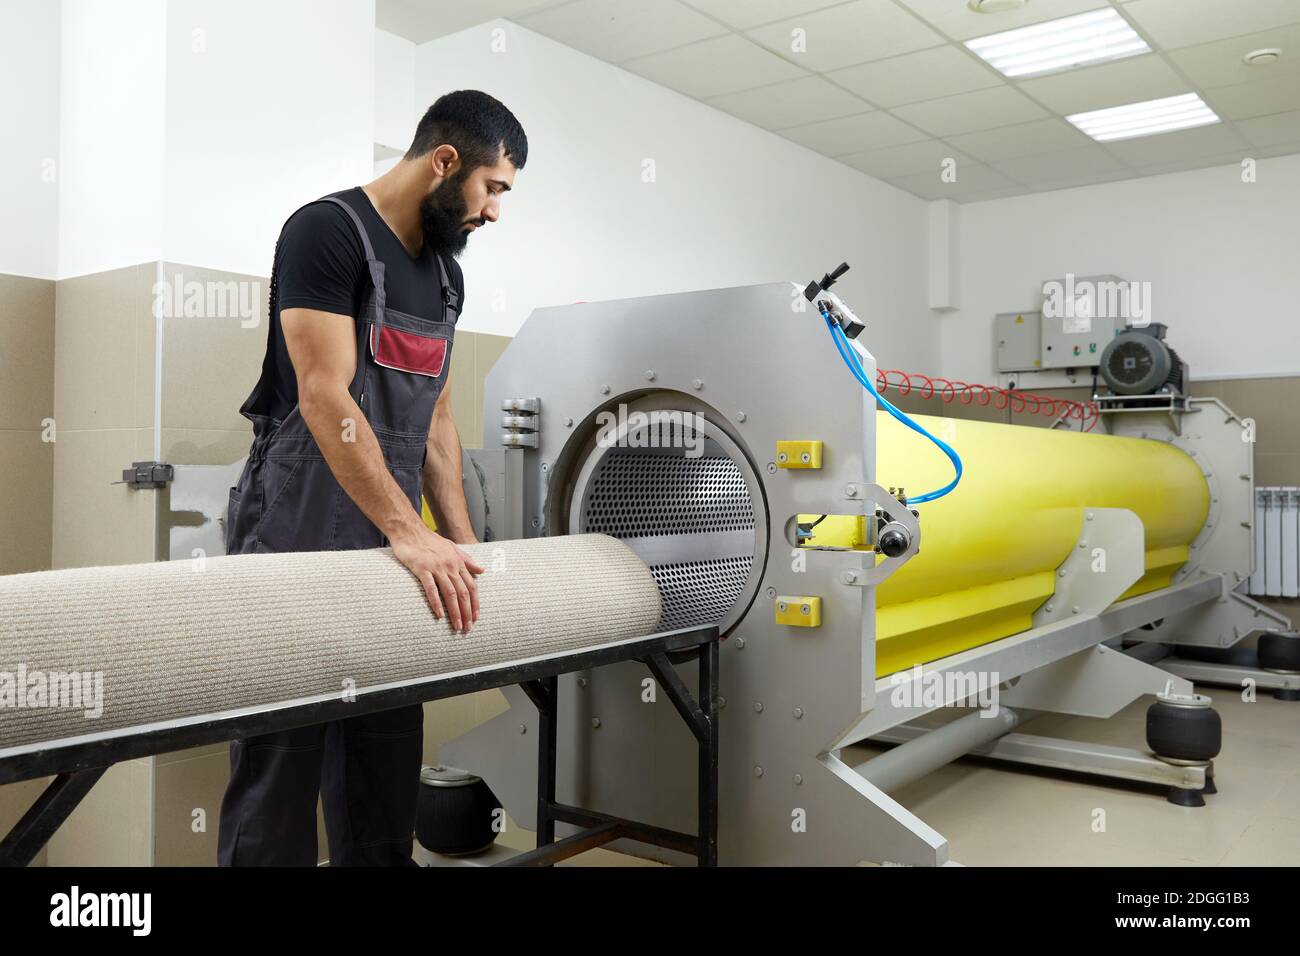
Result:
[{"x": 733, "y": 440}]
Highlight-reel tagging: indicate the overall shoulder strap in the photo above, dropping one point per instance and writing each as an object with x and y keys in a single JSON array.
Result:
[
  {"x": 356, "y": 221},
  {"x": 450, "y": 297}
]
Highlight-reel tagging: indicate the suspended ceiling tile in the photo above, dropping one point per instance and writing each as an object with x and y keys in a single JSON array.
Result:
[
  {"x": 423, "y": 20},
  {"x": 924, "y": 75},
  {"x": 743, "y": 14},
  {"x": 725, "y": 64},
  {"x": 971, "y": 180},
  {"x": 1178, "y": 23},
  {"x": 1278, "y": 94},
  {"x": 790, "y": 103},
  {"x": 957, "y": 20},
  {"x": 617, "y": 30},
  {"x": 1220, "y": 63},
  {"x": 1204, "y": 141},
  {"x": 926, "y": 157},
  {"x": 1055, "y": 167},
  {"x": 850, "y": 33},
  {"x": 1273, "y": 130},
  {"x": 1133, "y": 80},
  {"x": 967, "y": 112},
  {"x": 854, "y": 134},
  {"x": 1024, "y": 139}
]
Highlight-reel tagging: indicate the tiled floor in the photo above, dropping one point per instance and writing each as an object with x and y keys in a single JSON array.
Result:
[
  {"x": 993, "y": 816},
  {"x": 997, "y": 817}
]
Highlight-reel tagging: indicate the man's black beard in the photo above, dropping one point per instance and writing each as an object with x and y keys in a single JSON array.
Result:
[{"x": 443, "y": 221}]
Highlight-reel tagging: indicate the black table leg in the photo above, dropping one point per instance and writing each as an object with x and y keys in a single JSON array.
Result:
[{"x": 46, "y": 815}]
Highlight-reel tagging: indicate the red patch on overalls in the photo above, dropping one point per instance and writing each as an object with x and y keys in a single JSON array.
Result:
[{"x": 408, "y": 352}]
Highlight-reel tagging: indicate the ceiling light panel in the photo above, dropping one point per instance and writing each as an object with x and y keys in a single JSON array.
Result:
[
  {"x": 1097, "y": 36},
  {"x": 1145, "y": 119}
]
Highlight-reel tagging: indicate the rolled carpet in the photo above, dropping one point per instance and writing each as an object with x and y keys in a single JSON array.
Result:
[{"x": 90, "y": 650}]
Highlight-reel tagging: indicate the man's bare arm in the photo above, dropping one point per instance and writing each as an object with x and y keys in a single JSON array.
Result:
[
  {"x": 322, "y": 347},
  {"x": 443, "y": 489}
]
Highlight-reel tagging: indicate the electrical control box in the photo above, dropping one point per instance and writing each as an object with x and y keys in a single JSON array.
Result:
[
  {"x": 1073, "y": 342},
  {"x": 1020, "y": 341},
  {"x": 1078, "y": 318}
]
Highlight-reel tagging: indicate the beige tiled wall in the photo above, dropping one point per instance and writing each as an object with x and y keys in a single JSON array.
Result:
[
  {"x": 26, "y": 456},
  {"x": 103, "y": 406},
  {"x": 26, "y": 406}
]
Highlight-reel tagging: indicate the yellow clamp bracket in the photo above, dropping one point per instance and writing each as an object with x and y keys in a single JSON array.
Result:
[
  {"x": 798, "y": 610},
  {"x": 798, "y": 454}
]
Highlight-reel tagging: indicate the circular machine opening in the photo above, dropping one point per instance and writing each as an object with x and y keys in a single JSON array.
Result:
[{"x": 688, "y": 505}]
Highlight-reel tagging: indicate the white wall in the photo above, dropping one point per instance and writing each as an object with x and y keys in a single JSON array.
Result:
[
  {"x": 269, "y": 106},
  {"x": 395, "y": 115},
  {"x": 113, "y": 63},
  {"x": 731, "y": 204},
  {"x": 1222, "y": 257},
  {"x": 29, "y": 103},
  {"x": 191, "y": 129}
]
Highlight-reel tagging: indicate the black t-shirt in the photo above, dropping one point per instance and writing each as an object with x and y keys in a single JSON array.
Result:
[{"x": 321, "y": 264}]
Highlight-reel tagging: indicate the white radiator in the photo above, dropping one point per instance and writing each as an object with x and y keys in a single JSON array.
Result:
[{"x": 1277, "y": 542}]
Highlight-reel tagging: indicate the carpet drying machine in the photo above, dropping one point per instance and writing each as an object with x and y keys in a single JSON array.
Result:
[
  {"x": 666, "y": 472},
  {"x": 720, "y": 436}
]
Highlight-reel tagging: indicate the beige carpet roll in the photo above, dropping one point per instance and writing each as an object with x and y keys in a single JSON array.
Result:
[{"x": 91, "y": 650}]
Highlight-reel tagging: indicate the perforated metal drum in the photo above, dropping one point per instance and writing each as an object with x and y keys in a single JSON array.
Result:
[{"x": 685, "y": 499}]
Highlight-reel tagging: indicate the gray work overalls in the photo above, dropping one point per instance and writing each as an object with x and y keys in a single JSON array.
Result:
[{"x": 366, "y": 769}]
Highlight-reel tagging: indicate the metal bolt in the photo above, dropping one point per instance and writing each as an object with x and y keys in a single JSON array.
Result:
[
  {"x": 798, "y": 779},
  {"x": 780, "y": 606},
  {"x": 582, "y": 682},
  {"x": 758, "y": 771},
  {"x": 798, "y": 713},
  {"x": 783, "y": 458},
  {"x": 722, "y": 702},
  {"x": 771, "y": 468},
  {"x": 1083, "y": 544},
  {"x": 806, "y": 609},
  {"x": 805, "y": 458},
  {"x": 604, "y": 390},
  {"x": 1061, "y": 573},
  {"x": 1090, "y": 515},
  {"x": 568, "y": 423},
  {"x": 536, "y": 522},
  {"x": 740, "y": 643},
  {"x": 849, "y": 577},
  {"x": 698, "y": 384},
  {"x": 1048, "y": 608},
  {"x": 523, "y": 728},
  {"x": 758, "y": 706},
  {"x": 771, "y": 592},
  {"x": 741, "y": 416},
  {"x": 649, "y": 375},
  {"x": 595, "y": 723},
  {"x": 850, "y": 491},
  {"x": 1075, "y": 609},
  {"x": 545, "y": 466}
]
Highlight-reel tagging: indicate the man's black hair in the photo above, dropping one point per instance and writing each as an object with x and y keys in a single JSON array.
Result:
[{"x": 478, "y": 125}]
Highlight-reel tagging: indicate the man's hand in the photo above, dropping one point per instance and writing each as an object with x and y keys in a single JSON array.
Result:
[{"x": 445, "y": 571}]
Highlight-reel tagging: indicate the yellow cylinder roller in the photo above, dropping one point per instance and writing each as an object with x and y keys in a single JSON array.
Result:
[{"x": 990, "y": 548}]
